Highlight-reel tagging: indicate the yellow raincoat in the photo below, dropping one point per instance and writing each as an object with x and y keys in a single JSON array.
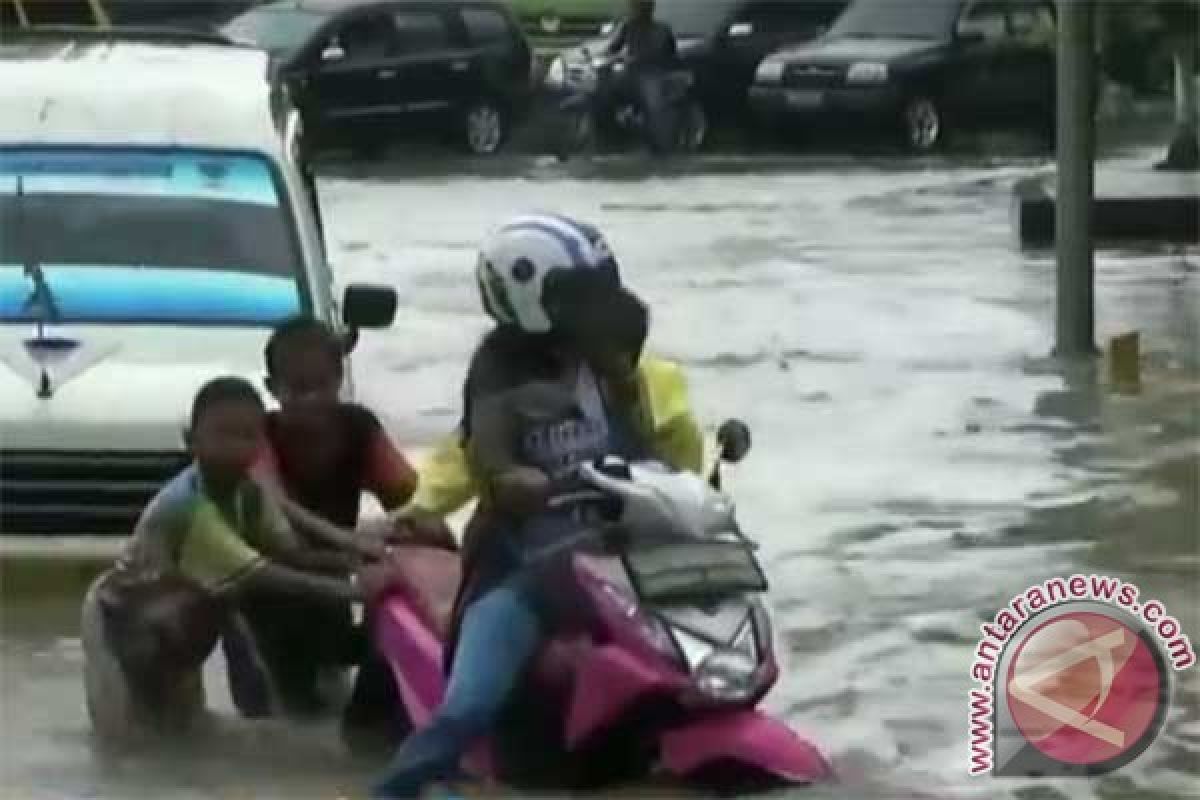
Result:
[{"x": 445, "y": 483}]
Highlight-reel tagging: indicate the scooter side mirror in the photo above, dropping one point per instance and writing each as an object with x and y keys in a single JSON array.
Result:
[{"x": 734, "y": 440}]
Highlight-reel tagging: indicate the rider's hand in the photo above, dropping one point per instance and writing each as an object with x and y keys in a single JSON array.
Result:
[{"x": 521, "y": 490}]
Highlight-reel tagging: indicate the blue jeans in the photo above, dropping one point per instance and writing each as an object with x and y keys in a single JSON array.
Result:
[{"x": 500, "y": 632}]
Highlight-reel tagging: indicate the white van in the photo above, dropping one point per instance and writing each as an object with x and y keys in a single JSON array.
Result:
[{"x": 155, "y": 223}]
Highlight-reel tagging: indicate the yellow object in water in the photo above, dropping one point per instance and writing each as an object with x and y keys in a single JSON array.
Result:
[{"x": 1124, "y": 361}]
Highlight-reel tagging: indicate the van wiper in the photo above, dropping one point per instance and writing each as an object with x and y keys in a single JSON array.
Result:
[{"x": 41, "y": 300}]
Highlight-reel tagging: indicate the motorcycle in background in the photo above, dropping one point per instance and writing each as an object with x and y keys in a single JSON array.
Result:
[{"x": 594, "y": 109}]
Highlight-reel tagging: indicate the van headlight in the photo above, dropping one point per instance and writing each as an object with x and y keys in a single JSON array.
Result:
[
  {"x": 556, "y": 75},
  {"x": 867, "y": 72},
  {"x": 769, "y": 71}
]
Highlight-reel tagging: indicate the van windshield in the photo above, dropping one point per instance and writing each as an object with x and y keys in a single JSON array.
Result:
[
  {"x": 162, "y": 237},
  {"x": 694, "y": 17}
]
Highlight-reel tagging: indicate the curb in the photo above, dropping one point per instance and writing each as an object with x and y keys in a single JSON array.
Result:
[{"x": 60, "y": 565}]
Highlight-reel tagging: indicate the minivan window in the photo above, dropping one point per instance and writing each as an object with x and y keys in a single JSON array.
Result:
[
  {"x": 275, "y": 28},
  {"x": 988, "y": 19},
  {"x": 911, "y": 19},
  {"x": 419, "y": 32},
  {"x": 782, "y": 16},
  {"x": 366, "y": 38},
  {"x": 695, "y": 17},
  {"x": 115, "y": 236},
  {"x": 487, "y": 26}
]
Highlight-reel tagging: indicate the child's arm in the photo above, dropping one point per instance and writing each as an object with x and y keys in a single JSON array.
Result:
[
  {"x": 281, "y": 513},
  {"x": 281, "y": 579},
  {"x": 221, "y": 560},
  {"x": 323, "y": 562},
  {"x": 388, "y": 475}
]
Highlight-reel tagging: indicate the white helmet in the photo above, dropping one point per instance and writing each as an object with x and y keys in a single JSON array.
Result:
[{"x": 516, "y": 260}]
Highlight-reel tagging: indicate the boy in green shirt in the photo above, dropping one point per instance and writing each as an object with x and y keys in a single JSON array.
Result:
[{"x": 208, "y": 539}]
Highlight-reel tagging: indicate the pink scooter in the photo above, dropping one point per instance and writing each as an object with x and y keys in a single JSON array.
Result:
[{"x": 659, "y": 671}]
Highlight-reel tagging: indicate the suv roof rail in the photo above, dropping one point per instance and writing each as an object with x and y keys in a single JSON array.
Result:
[{"x": 150, "y": 34}]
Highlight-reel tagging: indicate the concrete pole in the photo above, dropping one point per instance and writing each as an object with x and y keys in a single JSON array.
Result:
[
  {"x": 1185, "y": 83},
  {"x": 1184, "y": 151},
  {"x": 1076, "y": 148}
]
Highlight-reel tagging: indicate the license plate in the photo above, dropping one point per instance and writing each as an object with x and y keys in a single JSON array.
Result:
[{"x": 805, "y": 98}]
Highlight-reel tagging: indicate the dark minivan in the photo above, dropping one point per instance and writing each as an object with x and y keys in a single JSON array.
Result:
[
  {"x": 722, "y": 41},
  {"x": 922, "y": 67},
  {"x": 364, "y": 71}
]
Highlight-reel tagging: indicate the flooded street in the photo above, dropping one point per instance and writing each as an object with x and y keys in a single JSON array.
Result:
[{"x": 918, "y": 461}]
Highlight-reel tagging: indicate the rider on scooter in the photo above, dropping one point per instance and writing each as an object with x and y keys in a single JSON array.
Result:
[
  {"x": 650, "y": 52},
  {"x": 556, "y": 384}
]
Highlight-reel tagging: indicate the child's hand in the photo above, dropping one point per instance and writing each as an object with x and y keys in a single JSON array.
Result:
[
  {"x": 374, "y": 580},
  {"x": 425, "y": 531},
  {"x": 370, "y": 548}
]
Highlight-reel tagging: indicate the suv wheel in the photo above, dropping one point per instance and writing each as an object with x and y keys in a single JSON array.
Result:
[
  {"x": 485, "y": 127},
  {"x": 924, "y": 124}
]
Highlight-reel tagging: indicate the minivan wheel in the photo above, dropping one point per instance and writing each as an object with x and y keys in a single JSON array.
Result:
[
  {"x": 484, "y": 128},
  {"x": 924, "y": 125}
]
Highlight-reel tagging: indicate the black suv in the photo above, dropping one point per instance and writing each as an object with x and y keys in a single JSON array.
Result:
[
  {"x": 360, "y": 71},
  {"x": 722, "y": 41},
  {"x": 922, "y": 67}
]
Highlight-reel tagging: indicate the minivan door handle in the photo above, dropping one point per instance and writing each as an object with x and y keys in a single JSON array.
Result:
[
  {"x": 460, "y": 66},
  {"x": 385, "y": 74}
]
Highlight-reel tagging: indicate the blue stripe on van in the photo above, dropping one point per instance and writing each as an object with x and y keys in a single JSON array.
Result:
[
  {"x": 219, "y": 176},
  {"x": 150, "y": 295}
]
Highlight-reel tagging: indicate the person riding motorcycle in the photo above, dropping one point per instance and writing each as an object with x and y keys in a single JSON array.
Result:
[
  {"x": 447, "y": 481},
  {"x": 650, "y": 52},
  {"x": 560, "y": 381}
]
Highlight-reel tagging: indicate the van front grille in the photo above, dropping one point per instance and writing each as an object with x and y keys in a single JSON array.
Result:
[{"x": 80, "y": 493}]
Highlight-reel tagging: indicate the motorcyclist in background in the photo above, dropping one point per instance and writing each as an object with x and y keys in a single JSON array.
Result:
[{"x": 650, "y": 52}]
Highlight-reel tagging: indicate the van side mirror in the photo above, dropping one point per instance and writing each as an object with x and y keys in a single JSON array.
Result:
[{"x": 368, "y": 306}]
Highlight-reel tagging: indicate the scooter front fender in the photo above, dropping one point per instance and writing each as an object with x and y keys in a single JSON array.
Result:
[
  {"x": 607, "y": 684},
  {"x": 750, "y": 738}
]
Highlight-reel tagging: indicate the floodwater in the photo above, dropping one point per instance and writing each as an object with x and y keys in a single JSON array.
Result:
[{"x": 918, "y": 459}]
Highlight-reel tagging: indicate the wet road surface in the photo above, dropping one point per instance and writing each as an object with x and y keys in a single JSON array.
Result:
[{"x": 918, "y": 459}]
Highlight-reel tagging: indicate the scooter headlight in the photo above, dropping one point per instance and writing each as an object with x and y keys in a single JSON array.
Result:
[{"x": 727, "y": 676}]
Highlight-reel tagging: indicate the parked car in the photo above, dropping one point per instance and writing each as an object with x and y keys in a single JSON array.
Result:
[
  {"x": 154, "y": 225},
  {"x": 363, "y": 71},
  {"x": 721, "y": 42},
  {"x": 921, "y": 68}
]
